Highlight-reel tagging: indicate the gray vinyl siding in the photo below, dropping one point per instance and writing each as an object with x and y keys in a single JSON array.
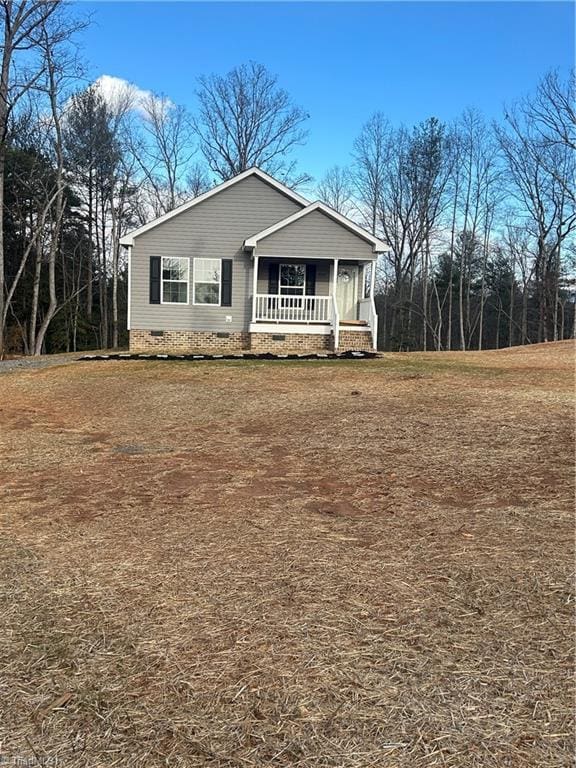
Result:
[
  {"x": 316, "y": 235},
  {"x": 215, "y": 228},
  {"x": 322, "y": 274}
]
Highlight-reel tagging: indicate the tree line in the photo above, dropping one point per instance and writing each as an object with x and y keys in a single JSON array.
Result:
[
  {"x": 479, "y": 217},
  {"x": 480, "y": 221}
]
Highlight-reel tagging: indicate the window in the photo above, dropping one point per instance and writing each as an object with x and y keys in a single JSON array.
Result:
[
  {"x": 292, "y": 279},
  {"x": 207, "y": 281},
  {"x": 175, "y": 280}
]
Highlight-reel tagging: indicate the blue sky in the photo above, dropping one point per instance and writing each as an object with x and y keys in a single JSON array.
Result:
[{"x": 340, "y": 61}]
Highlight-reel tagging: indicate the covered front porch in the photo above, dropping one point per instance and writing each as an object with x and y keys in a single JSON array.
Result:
[{"x": 315, "y": 295}]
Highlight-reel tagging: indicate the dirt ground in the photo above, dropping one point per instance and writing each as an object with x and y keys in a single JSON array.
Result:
[{"x": 337, "y": 563}]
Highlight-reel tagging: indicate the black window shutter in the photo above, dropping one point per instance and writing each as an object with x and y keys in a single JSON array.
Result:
[
  {"x": 310, "y": 279},
  {"x": 226, "y": 300},
  {"x": 155, "y": 266},
  {"x": 273, "y": 277}
]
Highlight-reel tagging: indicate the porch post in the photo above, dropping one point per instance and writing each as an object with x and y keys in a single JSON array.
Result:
[
  {"x": 254, "y": 287},
  {"x": 334, "y": 286},
  {"x": 335, "y": 315},
  {"x": 373, "y": 313}
]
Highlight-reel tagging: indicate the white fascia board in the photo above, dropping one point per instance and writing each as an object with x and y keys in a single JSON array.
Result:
[
  {"x": 128, "y": 239},
  {"x": 289, "y": 259},
  {"x": 286, "y": 327},
  {"x": 129, "y": 297},
  {"x": 378, "y": 245}
]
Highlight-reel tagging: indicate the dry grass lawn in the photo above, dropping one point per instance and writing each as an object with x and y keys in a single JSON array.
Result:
[{"x": 346, "y": 564}]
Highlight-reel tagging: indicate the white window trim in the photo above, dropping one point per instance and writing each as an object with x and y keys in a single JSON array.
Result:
[
  {"x": 187, "y": 281},
  {"x": 203, "y": 303},
  {"x": 280, "y": 286}
]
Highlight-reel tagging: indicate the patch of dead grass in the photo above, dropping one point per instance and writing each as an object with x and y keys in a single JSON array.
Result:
[{"x": 256, "y": 564}]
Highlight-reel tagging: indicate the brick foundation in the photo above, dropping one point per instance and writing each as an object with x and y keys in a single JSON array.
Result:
[
  {"x": 188, "y": 341},
  {"x": 185, "y": 342},
  {"x": 292, "y": 342},
  {"x": 359, "y": 340}
]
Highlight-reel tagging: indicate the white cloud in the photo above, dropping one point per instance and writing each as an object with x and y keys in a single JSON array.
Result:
[{"x": 115, "y": 90}]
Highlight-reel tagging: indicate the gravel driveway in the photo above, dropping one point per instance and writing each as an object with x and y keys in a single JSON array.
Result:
[{"x": 43, "y": 361}]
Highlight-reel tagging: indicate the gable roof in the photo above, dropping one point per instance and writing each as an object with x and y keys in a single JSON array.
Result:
[
  {"x": 128, "y": 239},
  {"x": 378, "y": 246}
]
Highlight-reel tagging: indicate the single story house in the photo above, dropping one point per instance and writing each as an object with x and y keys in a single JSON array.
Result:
[{"x": 252, "y": 265}]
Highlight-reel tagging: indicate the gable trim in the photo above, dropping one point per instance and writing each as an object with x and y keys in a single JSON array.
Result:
[
  {"x": 128, "y": 239},
  {"x": 378, "y": 246}
]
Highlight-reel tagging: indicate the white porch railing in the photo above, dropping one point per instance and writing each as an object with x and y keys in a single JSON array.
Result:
[
  {"x": 292, "y": 309},
  {"x": 272, "y": 308}
]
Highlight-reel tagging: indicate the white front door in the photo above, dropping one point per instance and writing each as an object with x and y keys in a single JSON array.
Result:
[{"x": 347, "y": 291}]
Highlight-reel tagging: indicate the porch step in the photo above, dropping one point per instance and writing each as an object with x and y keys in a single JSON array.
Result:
[
  {"x": 362, "y": 323},
  {"x": 350, "y": 338}
]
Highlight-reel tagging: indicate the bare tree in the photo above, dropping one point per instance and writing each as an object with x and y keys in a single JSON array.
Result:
[
  {"x": 554, "y": 110},
  {"x": 517, "y": 243},
  {"x": 54, "y": 75},
  {"x": 23, "y": 23},
  {"x": 471, "y": 129},
  {"x": 454, "y": 182},
  {"x": 246, "y": 119},
  {"x": 541, "y": 179},
  {"x": 335, "y": 189},
  {"x": 552, "y": 115},
  {"x": 197, "y": 181},
  {"x": 121, "y": 193},
  {"x": 163, "y": 147},
  {"x": 371, "y": 155},
  {"x": 30, "y": 199},
  {"x": 430, "y": 160},
  {"x": 122, "y": 189},
  {"x": 476, "y": 174},
  {"x": 412, "y": 199},
  {"x": 35, "y": 38}
]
